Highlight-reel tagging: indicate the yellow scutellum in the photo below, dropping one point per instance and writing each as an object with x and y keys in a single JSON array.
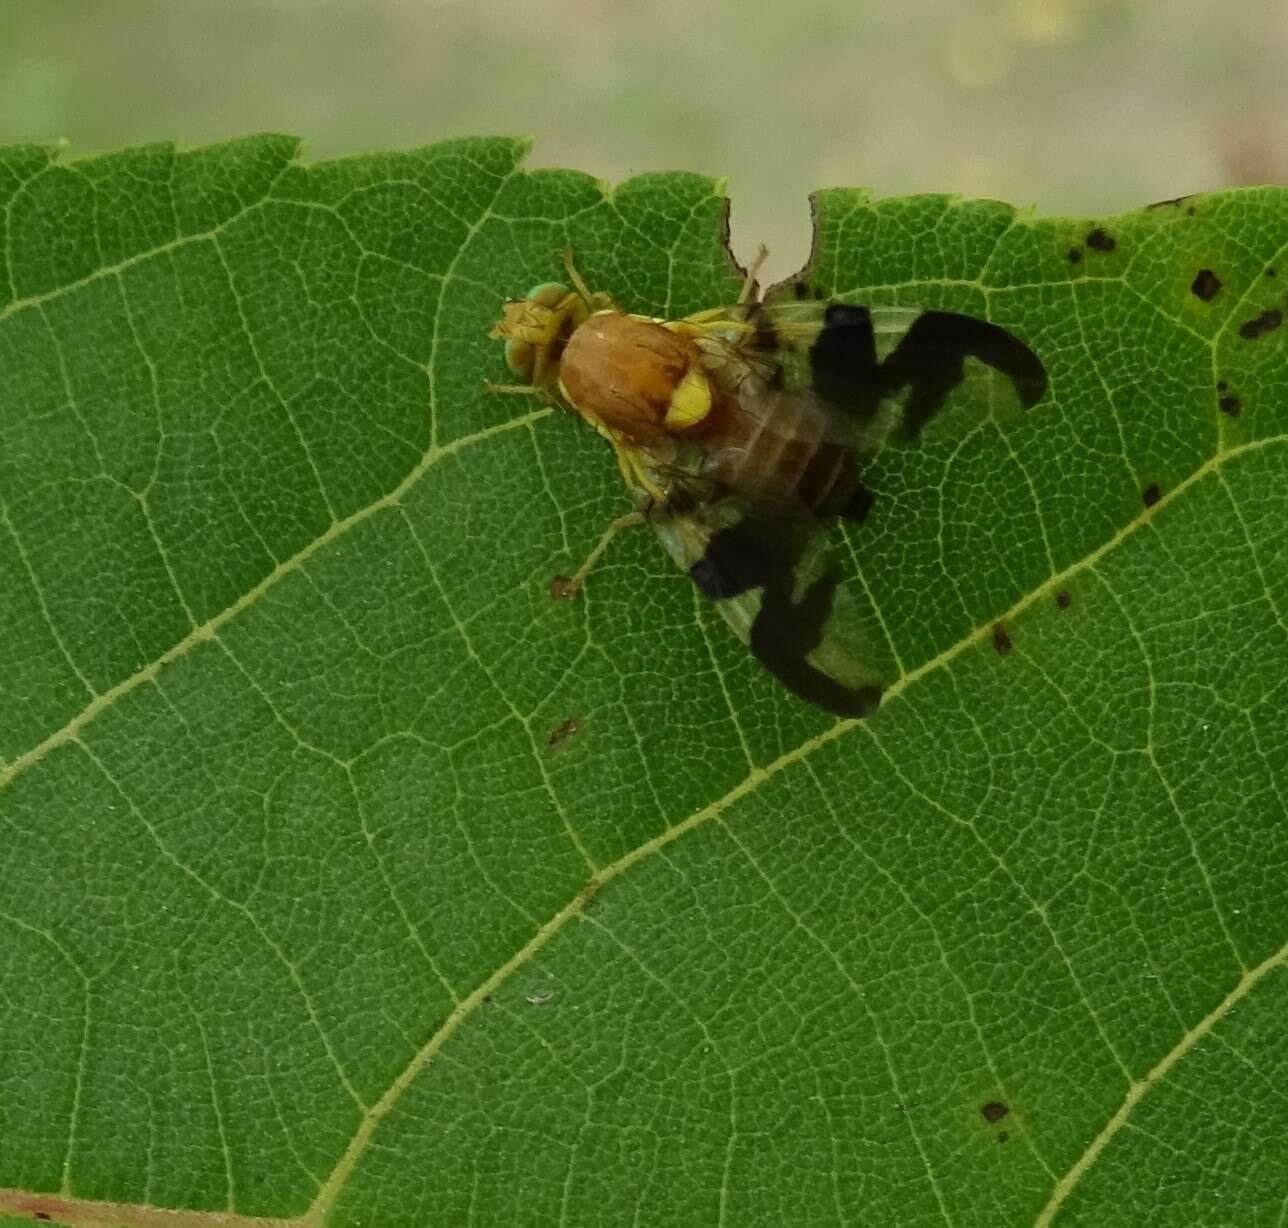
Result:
[{"x": 690, "y": 403}]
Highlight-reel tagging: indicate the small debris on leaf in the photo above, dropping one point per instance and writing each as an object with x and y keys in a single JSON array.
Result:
[{"x": 565, "y": 731}]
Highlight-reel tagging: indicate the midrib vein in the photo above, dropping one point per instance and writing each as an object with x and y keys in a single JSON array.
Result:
[{"x": 318, "y": 1212}]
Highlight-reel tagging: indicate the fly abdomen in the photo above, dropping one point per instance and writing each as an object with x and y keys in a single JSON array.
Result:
[{"x": 787, "y": 457}]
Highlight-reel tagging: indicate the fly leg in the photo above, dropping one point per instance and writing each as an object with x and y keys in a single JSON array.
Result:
[
  {"x": 655, "y": 505},
  {"x": 749, "y": 277},
  {"x": 564, "y": 588},
  {"x": 594, "y": 301},
  {"x": 516, "y": 390},
  {"x": 740, "y": 314}
]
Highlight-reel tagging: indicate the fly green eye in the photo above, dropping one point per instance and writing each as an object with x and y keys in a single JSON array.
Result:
[
  {"x": 519, "y": 357},
  {"x": 548, "y": 294}
]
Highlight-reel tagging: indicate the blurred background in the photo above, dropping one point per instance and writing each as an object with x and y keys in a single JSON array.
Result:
[{"x": 1078, "y": 106}]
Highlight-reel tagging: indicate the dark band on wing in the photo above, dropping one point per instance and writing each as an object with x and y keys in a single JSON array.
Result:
[
  {"x": 856, "y": 508},
  {"x": 843, "y": 361},
  {"x": 928, "y": 359},
  {"x": 750, "y": 555}
]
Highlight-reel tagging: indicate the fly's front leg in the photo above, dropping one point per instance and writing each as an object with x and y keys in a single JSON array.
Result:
[
  {"x": 592, "y": 300},
  {"x": 543, "y": 393}
]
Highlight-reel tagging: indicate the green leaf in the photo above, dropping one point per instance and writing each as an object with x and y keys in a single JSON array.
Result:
[{"x": 348, "y": 876}]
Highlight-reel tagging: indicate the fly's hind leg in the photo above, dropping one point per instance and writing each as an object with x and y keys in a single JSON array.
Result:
[
  {"x": 749, "y": 277},
  {"x": 655, "y": 502},
  {"x": 564, "y": 588},
  {"x": 742, "y": 316}
]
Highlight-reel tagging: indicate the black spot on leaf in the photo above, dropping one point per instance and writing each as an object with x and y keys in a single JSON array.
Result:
[
  {"x": 1230, "y": 406},
  {"x": 1063, "y": 599},
  {"x": 1074, "y": 255},
  {"x": 1002, "y": 1136},
  {"x": 1205, "y": 285},
  {"x": 800, "y": 289},
  {"x": 1271, "y": 273},
  {"x": 994, "y": 1111},
  {"x": 1221, "y": 385},
  {"x": 1101, "y": 240},
  {"x": 1001, "y": 640},
  {"x": 1163, "y": 204},
  {"x": 1151, "y": 494},
  {"x": 1266, "y": 322}
]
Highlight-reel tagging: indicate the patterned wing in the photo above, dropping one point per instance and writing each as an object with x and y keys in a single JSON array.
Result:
[
  {"x": 896, "y": 370},
  {"x": 871, "y": 377},
  {"x": 777, "y": 584}
]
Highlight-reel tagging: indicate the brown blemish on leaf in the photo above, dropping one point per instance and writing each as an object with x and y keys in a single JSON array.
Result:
[
  {"x": 1163, "y": 204},
  {"x": 1063, "y": 599},
  {"x": 725, "y": 234},
  {"x": 565, "y": 731},
  {"x": 1151, "y": 494},
  {"x": 563, "y": 589},
  {"x": 994, "y": 1111},
  {"x": 38, "y": 1206},
  {"x": 1266, "y": 322},
  {"x": 1101, "y": 240},
  {"x": 1001, "y": 641},
  {"x": 1206, "y": 285},
  {"x": 1230, "y": 406}
]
